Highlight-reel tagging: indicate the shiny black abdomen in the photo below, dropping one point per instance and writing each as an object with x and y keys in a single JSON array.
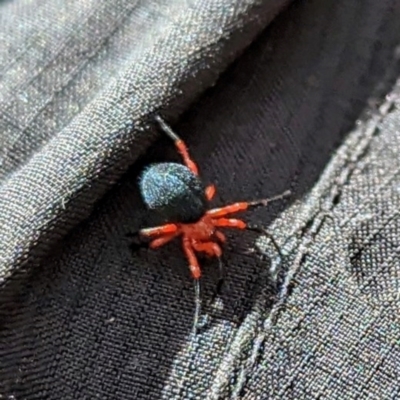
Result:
[{"x": 174, "y": 192}]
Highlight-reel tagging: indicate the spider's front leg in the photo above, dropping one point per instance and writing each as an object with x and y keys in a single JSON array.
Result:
[
  {"x": 229, "y": 223},
  {"x": 243, "y": 205},
  {"x": 230, "y": 209}
]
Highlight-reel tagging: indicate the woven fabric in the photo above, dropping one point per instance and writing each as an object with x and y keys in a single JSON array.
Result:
[
  {"x": 83, "y": 315},
  {"x": 79, "y": 94}
]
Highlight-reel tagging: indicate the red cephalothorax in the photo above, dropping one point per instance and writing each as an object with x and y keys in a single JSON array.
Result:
[
  {"x": 201, "y": 236},
  {"x": 176, "y": 192}
]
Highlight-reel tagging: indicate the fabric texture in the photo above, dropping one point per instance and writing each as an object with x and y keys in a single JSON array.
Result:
[{"x": 309, "y": 102}]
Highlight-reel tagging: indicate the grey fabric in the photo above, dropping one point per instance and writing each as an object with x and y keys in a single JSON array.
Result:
[
  {"x": 66, "y": 69},
  {"x": 84, "y": 316}
]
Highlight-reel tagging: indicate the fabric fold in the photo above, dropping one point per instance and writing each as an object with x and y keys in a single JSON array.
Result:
[{"x": 183, "y": 48}]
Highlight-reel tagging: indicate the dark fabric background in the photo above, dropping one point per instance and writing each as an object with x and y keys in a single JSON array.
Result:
[{"x": 309, "y": 102}]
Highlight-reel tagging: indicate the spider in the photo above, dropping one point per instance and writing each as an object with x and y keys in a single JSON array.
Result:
[{"x": 178, "y": 194}]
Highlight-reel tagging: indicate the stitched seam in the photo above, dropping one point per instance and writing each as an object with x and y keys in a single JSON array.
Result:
[{"x": 334, "y": 191}]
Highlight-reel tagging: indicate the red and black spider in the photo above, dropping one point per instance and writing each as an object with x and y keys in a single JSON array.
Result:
[{"x": 177, "y": 193}]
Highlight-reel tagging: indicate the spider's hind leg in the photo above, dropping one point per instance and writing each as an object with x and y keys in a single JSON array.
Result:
[{"x": 179, "y": 144}]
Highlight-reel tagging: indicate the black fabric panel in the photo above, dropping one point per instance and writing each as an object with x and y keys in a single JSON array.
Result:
[
  {"x": 81, "y": 81},
  {"x": 95, "y": 319}
]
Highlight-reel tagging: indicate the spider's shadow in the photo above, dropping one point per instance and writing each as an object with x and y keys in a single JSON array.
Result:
[
  {"x": 246, "y": 275},
  {"x": 229, "y": 285}
]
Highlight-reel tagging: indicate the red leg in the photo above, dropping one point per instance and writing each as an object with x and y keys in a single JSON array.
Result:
[
  {"x": 230, "y": 209},
  {"x": 229, "y": 223},
  {"x": 241, "y": 206},
  {"x": 210, "y": 248},
  {"x": 184, "y": 152},
  {"x": 210, "y": 192},
  {"x": 159, "y": 230},
  {"x": 191, "y": 256},
  {"x": 220, "y": 236},
  {"x": 162, "y": 240},
  {"x": 179, "y": 144}
]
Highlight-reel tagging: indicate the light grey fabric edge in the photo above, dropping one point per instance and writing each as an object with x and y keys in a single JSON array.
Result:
[{"x": 77, "y": 166}]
